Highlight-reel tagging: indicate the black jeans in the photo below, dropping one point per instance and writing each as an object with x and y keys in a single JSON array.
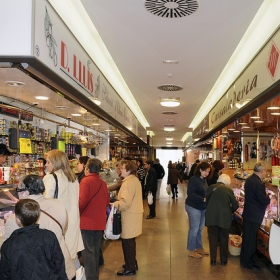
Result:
[
  {"x": 174, "y": 190},
  {"x": 153, "y": 206},
  {"x": 92, "y": 242}
]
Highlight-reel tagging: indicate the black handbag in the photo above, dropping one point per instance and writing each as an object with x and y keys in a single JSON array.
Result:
[{"x": 117, "y": 223}]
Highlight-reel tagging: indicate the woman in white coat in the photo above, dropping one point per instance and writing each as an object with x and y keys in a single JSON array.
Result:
[
  {"x": 131, "y": 206},
  {"x": 68, "y": 194}
]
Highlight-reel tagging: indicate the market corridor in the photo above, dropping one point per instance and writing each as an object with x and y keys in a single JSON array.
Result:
[{"x": 161, "y": 250}]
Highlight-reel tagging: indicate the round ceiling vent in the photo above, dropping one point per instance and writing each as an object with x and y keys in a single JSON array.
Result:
[
  {"x": 171, "y": 8},
  {"x": 169, "y": 113},
  {"x": 169, "y": 87}
]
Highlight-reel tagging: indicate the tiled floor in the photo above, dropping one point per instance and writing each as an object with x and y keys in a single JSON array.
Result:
[{"x": 161, "y": 250}]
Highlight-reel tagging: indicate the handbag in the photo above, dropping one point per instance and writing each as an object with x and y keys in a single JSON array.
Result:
[
  {"x": 168, "y": 189},
  {"x": 150, "y": 198},
  {"x": 117, "y": 223},
  {"x": 108, "y": 232},
  {"x": 56, "y": 186}
]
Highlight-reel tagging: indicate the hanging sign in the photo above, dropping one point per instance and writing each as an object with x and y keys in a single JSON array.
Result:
[{"x": 25, "y": 146}]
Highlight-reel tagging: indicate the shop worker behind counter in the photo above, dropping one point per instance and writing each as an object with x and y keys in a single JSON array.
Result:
[
  {"x": 31, "y": 253},
  {"x": 256, "y": 201}
]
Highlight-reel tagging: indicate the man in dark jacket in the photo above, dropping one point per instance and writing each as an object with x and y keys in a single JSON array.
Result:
[
  {"x": 151, "y": 187},
  {"x": 193, "y": 168},
  {"x": 160, "y": 174},
  {"x": 256, "y": 201}
]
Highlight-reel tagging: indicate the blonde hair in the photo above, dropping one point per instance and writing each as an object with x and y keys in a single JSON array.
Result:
[{"x": 60, "y": 160}]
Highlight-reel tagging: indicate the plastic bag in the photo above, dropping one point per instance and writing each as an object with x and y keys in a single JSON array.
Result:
[
  {"x": 150, "y": 198},
  {"x": 108, "y": 233},
  {"x": 168, "y": 189},
  {"x": 80, "y": 273}
]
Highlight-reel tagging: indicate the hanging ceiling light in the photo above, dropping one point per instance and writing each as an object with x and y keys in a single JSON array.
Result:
[
  {"x": 170, "y": 102},
  {"x": 169, "y": 127}
]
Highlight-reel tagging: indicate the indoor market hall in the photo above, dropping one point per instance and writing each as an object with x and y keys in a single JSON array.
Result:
[{"x": 161, "y": 249}]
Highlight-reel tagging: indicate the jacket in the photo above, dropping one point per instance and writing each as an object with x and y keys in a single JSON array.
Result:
[
  {"x": 256, "y": 199},
  {"x": 32, "y": 253},
  {"x": 130, "y": 204},
  {"x": 196, "y": 192},
  {"x": 221, "y": 203},
  {"x": 93, "y": 200},
  {"x": 174, "y": 176},
  {"x": 151, "y": 180},
  {"x": 68, "y": 195},
  {"x": 57, "y": 210},
  {"x": 159, "y": 170}
]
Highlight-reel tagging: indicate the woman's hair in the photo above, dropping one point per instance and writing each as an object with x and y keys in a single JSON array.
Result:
[
  {"x": 94, "y": 165},
  {"x": 203, "y": 166},
  {"x": 140, "y": 161},
  {"x": 130, "y": 166},
  {"x": 218, "y": 165},
  {"x": 60, "y": 160},
  {"x": 83, "y": 160},
  {"x": 43, "y": 159},
  {"x": 173, "y": 165},
  {"x": 33, "y": 184},
  {"x": 225, "y": 179},
  {"x": 27, "y": 211}
]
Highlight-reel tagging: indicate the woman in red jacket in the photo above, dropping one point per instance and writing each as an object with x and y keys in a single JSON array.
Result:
[{"x": 93, "y": 201}]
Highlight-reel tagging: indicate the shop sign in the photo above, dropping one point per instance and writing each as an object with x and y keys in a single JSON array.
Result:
[
  {"x": 260, "y": 74},
  {"x": 201, "y": 130},
  {"x": 57, "y": 48}
]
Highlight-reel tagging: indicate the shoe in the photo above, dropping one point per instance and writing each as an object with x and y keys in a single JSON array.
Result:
[
  {"x": 202, "y": 252},
  {"x": 126, "y": 272},
  {"x": 136, "y": 266},
  {"x": 150, "y": 217},
  {"x": 172, "y": 197},
  {"x": 224, "y": 263},
  {"x": 194, "y": 254},
  {"x": 213, "y": 263}
]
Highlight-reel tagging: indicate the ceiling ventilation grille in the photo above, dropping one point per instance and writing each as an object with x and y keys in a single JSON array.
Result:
[
  {"x": 171, "y": 8},
  {"x": 169, "y": 113},
  {"x": 170, "y": 87}
]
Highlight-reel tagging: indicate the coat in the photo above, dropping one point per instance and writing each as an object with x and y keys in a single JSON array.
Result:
[
  {"x": 57, "y": 210},
  {"x": 174, "y": 176},
  {"x": 32, "y": 253},
  {"x": 159, "y": 170},
  {"x": 256, "y": 199},
  {"x": 220, "y": 204},
  {"x": 68, "y": 195},
  {"x": 151, "y": 180},
  {"x": 93, "y": 200},
  {"x": 130, "y": 204}
]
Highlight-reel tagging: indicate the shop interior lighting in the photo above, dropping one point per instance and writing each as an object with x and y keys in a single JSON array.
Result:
[
  {"x": 242, "y": 123},
  {"x": 245, "y": 126},
  {"x": 231, "y": 128},
  {"x": 258, "y": 121},
  {"x": 236, "y": 131},
  {"x": 170, "y": 102},
  {"x": 169, "y": 138},
  {"x": 255, "y": 117},
  {"x": 170, "y": 61},
  {"x": 273, "y": 108},
  {"x": 41, "y": 97},
  {"x": 275, "y": 113},
  {"x": 169, "y": 128},
  {"x": 169, "y": 143}
]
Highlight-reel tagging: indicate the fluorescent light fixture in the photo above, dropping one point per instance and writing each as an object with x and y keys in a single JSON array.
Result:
[
  {"x": 169, "y": 128},
  {"x": 15, "y": 84},
  {"x": 76, "y": 115},
  {"x": 41, "y": 97},
  {"x": 171, "y": 61},
  {"x": 170, "y": 102},
  {"x": 169, "y": 138},
  {"x": 169, "y": 143},
  {"x": 273, "y": 108}
]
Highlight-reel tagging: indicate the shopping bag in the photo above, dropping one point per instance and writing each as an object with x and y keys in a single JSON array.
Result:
[
  {"x": 108, "y": 233},
  {"x": 150, "y": 198},
  {"x": 80, "y": 273},
  {"x": 117, "y": 223},
  {"x": 168, "y": 189}
]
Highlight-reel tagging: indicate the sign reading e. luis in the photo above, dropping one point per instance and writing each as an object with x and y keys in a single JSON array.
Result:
[{"x": 260, "y": 74}]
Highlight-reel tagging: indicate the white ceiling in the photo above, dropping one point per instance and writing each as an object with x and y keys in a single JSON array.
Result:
[{"x": 139, "y": 41}]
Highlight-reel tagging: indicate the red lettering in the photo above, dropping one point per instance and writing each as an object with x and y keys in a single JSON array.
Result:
[{"x": 64, "y": 56}]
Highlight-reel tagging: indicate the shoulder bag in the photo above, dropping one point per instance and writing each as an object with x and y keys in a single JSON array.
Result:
[
  {"x": 56, "y": 186},
  {"x": 53, "y": 219}
]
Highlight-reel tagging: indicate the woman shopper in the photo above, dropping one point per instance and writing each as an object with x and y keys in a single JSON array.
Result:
[
  {"x": 195, "y": 207},
  {"x": 81, "y": 167},
  {"x": 131, "y": 206},
  {"x": 32, "y": 187},
  {"x": 141, "y": 176},
  {"x": 68, "y": 195},
  {"x": 173, "y": 177},
  {"x": 221, "y": 203}
]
